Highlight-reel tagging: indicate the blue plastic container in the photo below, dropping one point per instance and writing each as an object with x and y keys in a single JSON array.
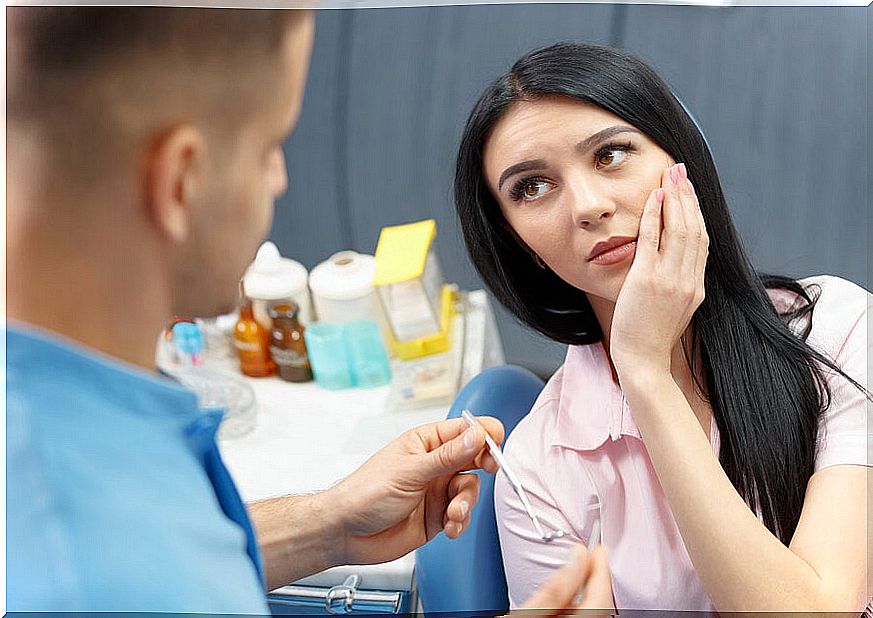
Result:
[
  {"x": 328, "y": 355},
  {"x": 369, "y": 361}
]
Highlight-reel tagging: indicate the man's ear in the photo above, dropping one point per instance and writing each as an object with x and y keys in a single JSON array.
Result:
[{"x": 173, "y": 175}]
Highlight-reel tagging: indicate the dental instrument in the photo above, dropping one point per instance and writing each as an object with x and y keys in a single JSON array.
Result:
[{"x": 514, "y": 481}]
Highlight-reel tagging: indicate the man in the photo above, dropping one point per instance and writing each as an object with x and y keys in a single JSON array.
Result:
[{"x": 144, "y": 156}]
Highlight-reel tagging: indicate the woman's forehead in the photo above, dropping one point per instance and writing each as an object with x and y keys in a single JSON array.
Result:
[{"x": 529, "y": 125}]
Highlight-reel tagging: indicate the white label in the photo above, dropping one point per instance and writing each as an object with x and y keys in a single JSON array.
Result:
[{"x": 288, "y": 357}]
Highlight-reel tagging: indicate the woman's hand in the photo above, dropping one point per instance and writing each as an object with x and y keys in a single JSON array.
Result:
[{"x": 664, "y": 285}]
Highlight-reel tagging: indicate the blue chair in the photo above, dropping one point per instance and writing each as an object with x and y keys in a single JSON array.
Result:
[{"x": 465, "y": 576}]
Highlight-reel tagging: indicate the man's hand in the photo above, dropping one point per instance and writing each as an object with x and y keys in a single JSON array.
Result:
[
  {"x": 408, "y": 492},
  {"x": 586, "y": 572}
]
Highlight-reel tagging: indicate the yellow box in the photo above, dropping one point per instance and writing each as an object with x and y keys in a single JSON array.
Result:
[
  {"x": 401, "y": 254},
  {"x": 433, "y": 344},
  {"x": 417, "y": 303}
]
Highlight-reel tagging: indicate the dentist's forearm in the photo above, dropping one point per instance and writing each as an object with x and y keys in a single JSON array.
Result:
[
  {"x": 297, "y": 536},
  {"x": 740, "y": 563}
]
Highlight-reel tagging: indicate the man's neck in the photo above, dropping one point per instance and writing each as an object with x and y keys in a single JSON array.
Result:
[{"x": 98, "y": 291}]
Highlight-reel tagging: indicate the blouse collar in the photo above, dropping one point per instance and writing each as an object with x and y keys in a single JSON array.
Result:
[{"x": 591, "y": 407}]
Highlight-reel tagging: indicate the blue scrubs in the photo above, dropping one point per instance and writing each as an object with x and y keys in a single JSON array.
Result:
[{"x": 117, "y": 498}]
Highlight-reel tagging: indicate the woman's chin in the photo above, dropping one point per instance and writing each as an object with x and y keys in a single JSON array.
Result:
[{"x": 607, "y": 288}]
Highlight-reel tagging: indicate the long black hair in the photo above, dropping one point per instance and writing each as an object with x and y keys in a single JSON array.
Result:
[{"x": 765, "y": 385}]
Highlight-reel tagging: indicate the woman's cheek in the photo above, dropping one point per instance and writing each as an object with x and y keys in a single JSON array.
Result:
[
  {"x": 641, "y": 192},
  {"x": 548, "y": 240}
]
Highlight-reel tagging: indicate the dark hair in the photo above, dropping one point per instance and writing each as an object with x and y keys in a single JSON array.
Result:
[{"x": 765, "y": 384}]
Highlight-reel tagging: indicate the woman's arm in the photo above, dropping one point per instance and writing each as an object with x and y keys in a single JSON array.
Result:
[
  {"x": 741, "y": 564},
  {"x": 533, "y": 568},
  {"x": 527, "y": 560}
]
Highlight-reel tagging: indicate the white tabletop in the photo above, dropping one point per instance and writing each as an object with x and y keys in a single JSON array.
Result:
[{"x": 308, "y": 438}]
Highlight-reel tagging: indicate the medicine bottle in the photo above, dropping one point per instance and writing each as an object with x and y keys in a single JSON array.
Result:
[
  {"x": 286, "y": 343},
  {"x": 252, "y": 341}
]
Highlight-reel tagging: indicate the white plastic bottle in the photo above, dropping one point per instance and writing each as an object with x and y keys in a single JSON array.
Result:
[{"x": 271, "y": 278}]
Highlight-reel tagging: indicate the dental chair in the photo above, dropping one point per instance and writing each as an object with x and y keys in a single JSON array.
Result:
[{"x": 464, "y": 577}]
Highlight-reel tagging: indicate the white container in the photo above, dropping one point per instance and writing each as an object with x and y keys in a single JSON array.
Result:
[
  {"x": 272, "y": 277},
  {"x": 342, "y": 289}
]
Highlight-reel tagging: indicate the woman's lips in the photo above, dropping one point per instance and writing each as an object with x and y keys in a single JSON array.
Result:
[{"x": 616, "y": 254}]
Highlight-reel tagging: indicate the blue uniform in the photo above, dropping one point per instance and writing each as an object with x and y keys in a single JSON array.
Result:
[{"x": 117, "y": 498}]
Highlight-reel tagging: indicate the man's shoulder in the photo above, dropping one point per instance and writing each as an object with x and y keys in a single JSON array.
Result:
[
  {"x": 109, "y": 504},
  {"x": 116, "y": 513}
]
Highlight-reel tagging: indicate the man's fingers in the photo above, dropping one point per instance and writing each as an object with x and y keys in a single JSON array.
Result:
[
  {"x": 598, "y": 587},
  {"x": 436, "y": 434},
  {"x": 485, "y": 460},
  {"x": 452, "y": 446},
  {"x": 463, "y": 493},
  {"x": 453, "y": 456},
  {"x": 561, "y": 589}
]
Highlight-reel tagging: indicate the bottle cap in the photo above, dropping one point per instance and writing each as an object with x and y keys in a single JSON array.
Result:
[
  {"x": 272, "y": 277},
  {"x": 345, "y": 275},
  {"x": 286, "y": 310}
]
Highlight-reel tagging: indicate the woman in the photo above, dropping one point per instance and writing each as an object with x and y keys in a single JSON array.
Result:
[{"x": 716, "y": 429}]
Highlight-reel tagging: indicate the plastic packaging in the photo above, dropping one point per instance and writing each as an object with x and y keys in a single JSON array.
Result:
[
  {"x": 188, "y": 342},
  {"x": 409, "y": 279},
  {"x": 370, "y": 366},
  {"x": 417, "y": 303},
  {"x": 328, "y": 355},
  {"x": 348, "y": 355},
  {"x": 216, "y": 389}
]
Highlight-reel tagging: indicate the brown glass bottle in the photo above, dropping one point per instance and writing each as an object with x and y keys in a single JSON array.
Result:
[
  {"x": 252, "y": 342},
  {"x": 287, "y": 345}
]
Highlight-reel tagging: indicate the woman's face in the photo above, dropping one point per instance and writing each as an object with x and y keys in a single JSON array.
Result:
[{"x": 569, "y": 176}]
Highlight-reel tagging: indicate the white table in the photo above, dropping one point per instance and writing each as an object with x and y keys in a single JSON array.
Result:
[{"x": 308, "y": 438}]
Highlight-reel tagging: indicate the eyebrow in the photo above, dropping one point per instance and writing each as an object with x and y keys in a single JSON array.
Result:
[
  {"x": 605, "y": 134},
  {"x": 582, "y": 146},
  {"x": 524, "y": 166}
]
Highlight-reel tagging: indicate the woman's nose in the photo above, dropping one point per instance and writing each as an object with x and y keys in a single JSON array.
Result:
[{"x": 590, "y": 205}]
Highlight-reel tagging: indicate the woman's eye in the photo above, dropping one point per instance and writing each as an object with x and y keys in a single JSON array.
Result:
[
  {"x": 611, "y": 157},
  {"x": 530, "y": 189},
  {"x": 535, "y": 188}
]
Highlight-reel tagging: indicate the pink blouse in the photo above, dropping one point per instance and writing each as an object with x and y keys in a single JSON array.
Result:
[{"x": 579, "y": 448}]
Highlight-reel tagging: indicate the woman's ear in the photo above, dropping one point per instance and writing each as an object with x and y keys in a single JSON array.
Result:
[{"x": 173, "y": 180}]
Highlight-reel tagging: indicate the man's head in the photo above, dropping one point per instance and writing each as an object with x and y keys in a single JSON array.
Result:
[{"x": 171, "y": 119}]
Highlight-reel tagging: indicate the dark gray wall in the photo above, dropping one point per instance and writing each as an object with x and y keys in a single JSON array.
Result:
[{"x": 781, "y": 94}]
